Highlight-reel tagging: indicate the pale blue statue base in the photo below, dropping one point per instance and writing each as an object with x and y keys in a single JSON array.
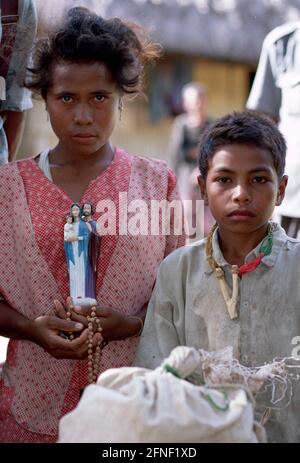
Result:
[{"x": 84, "y": 301}]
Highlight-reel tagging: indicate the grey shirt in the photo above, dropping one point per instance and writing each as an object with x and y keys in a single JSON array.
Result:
[
  {"x": 276, "y": 90},
  {"x": 187, "y": 308}
]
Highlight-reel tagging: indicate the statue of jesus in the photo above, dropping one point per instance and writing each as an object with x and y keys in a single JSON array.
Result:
[{"x": 82, "y": 239}]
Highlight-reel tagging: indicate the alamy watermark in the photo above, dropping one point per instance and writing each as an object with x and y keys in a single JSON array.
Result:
[
  {"x": 296, "y": 351},
  {"x": 154, "y": 217},
  {"x": 2, "y": 89}
]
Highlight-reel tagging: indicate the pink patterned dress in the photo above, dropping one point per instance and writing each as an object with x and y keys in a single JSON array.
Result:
[{"x": 35, "y": 388}]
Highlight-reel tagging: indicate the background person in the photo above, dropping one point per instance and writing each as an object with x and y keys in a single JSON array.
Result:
[
  {"x": 276, "y": 91},
  {"x": 183, "y": 147},
  {"x": 17, "y": 32}
]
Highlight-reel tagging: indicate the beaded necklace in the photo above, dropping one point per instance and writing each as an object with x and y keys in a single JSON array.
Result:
[{"x": 231, "y": 297}]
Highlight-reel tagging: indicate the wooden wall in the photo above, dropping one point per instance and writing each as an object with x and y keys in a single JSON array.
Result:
[{"x": 227, "y": 84}]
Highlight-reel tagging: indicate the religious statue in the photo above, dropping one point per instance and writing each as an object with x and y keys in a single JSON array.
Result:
[{"x": 81, "y": 242}]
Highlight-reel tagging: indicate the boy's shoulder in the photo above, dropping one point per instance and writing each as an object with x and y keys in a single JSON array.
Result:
[
  {"x": 186, "y": 255},
  {"x": 286, "y": 253},
  {"x": 293, "y": 245}
]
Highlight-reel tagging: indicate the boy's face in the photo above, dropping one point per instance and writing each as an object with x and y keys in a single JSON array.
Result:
[{"x": 242, "y": 187}]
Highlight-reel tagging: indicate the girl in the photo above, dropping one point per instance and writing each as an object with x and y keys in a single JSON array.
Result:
[{"x": 82, "y": 71}]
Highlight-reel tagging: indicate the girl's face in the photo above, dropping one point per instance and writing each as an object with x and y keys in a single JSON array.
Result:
[
  {"x": 82, "y": 102},
  {"x": 69, "y": 219}
]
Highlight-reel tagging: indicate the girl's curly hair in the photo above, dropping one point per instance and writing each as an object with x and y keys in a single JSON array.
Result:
[{"x": 86, "y": 37}]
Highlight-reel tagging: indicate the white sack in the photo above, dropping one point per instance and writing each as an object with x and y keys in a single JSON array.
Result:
[{"x": 139, "y": 405}]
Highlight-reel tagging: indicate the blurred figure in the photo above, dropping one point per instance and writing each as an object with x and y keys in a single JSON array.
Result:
[
  {"x": 186, "y": 131},
  {"x": 17, "y": 32},
  {"x": 183, "y": 148},
  {"x": 276, "y": 91}
]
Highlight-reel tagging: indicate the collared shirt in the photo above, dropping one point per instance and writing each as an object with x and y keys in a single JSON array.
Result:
[
  {"x": 276, "y": 90},
  {"x": 17, "y": 97},
  {"x": 187, "y": 308}
]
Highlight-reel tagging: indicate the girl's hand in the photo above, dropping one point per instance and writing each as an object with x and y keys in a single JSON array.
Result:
[
  {"x": 47, "y": 334},
  {"x": 115, "y": 325},
  {"x": 68, "y": 312}
]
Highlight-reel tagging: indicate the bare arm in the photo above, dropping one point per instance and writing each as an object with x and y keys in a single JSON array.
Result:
[
  {"x": 13, "y": 126},
  {"x": 13, "y": 324}
]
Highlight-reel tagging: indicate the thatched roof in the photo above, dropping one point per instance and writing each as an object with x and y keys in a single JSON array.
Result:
[{"x": 222, "y": 29}]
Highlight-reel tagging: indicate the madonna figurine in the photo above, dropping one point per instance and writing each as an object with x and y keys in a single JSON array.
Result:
[{"x": 81, "y": 242}]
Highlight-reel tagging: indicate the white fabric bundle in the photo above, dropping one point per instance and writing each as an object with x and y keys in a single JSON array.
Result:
[{"x": 140, "y": 405}]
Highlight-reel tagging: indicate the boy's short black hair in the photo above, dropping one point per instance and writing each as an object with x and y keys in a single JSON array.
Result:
[{"x": 247, "y": 128}]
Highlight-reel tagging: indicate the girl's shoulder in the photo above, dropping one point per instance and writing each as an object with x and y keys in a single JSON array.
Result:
[
  {"x": 143, "y": 161},
  {"x": 11, "y": 169},
  {"x": 149, "y": 168}
]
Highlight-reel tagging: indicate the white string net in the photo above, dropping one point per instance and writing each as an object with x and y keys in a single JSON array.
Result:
[{"x": 220, "y": 367}]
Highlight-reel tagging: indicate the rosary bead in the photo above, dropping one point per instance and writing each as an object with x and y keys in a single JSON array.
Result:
[{"x": 93, "y": 359}]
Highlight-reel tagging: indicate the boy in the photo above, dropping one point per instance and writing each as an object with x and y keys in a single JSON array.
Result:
[{"x": 200, "y": 300}]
